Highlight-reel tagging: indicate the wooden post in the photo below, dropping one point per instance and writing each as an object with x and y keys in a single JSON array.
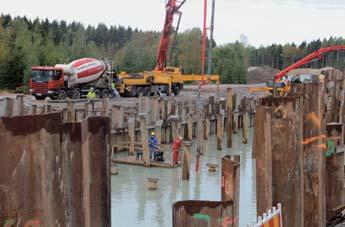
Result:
[
  {"x": 262, "y": 152},
  {"x": 174, "y": 126},
  {"x": 186, "y": 160},
  {"x": 287, "y": 126},
  {"x": 18, "y": 106},
  {"x": 46, "y": 107},
  {"x": 163, "y": 109},
  {"x": 117, "y": 117},
  {"x": 245, "y": 128},
  {"x": 2, "y": 107},
  {"x": 93, "y": 108},
  {"x": 286, "y": 137},
  {"x": 88, "y": 109},
  {"x": 207, "y": 125},
  {"x": 79, "y": 114},
  {"x": 200, "y": 129},
  {"x": 235, "y": 122},
  {"x": 184, "y": 112},
  {"x": 342, "y": 114},
  {"x": 155, "y": 109},
  {"x": 32, "y": 110},
  {"x": 65, "y": 114},
  {"x": 229, "y": 117},
  {"x": 314, "y": 158},
  {"x": 106, "y": 107},
  {"x": 131, "y": 133},
  {"x": 144, "y": 138},
  {"x": 190, "y": 127},
  {"x": 169, "y": 107},
  {"x": 220, "y": 130},
  {"x": 70, "y": 110},
  {"x": 200, "y": 136},
  {"x": 158, "y": 130},
  {"x": 8, "y": 106},
  {"x": 230, "y": 183},
  {"x": 334, "y": 170},
  {"x": 211, "y": 104}
]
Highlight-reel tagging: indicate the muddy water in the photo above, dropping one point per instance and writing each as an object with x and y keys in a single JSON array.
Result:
[{"x": 134, "y": 205}]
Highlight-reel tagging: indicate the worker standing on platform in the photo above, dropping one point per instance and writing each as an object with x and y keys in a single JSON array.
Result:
[
  {"x": 153, "y": 145},
  {"x": 91, "y": 94},
  {"x": 175, "y": 149}
]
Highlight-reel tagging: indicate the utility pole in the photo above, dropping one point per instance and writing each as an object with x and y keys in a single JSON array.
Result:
[{"x": 211, "y": 39}]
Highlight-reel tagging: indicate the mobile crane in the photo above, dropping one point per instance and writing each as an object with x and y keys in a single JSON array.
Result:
[
  {"x": 279, "y": 86},
  {"x": 162, "y": 79}
]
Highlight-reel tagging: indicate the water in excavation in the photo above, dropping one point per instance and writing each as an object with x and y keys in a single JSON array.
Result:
[{"x": 132, "y": 204}]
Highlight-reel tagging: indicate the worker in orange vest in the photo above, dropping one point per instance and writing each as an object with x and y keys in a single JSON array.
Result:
[{"x": 175, "y": 149}]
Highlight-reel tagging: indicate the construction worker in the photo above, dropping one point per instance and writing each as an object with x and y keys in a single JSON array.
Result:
[
  {"x": 91, "y": 94},
  {"x": 114, "y": 92},
  {"x": 153, "y": 145},
  {"x": 176, "y": 148},
  {"x": 285, "y": 81}
]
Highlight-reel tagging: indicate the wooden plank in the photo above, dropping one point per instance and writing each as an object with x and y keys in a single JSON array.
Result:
[
  {"x": 190, "y": 126},
  {"x": 144, "y": 138},
  {"x": 245, "y": 128},
  {"x": 229, "y": 107},
  {"x": 286, "y": 149},
  {"x": 220, "y": 130},
  {"x": 70, "y": 111},
  {"x": 200, "y": 132},
  {"x": 262, "y": 152},
  {"x": 314, "y": 131},
  {"x": 235, "y": 122},
  {"x": 230, "y": 183},
  {"x": 186, "y": 160},
  {"x": 334, "y": 173},
  {"x": 131, "y": 133},
  {"x": 207, "y": 125}
]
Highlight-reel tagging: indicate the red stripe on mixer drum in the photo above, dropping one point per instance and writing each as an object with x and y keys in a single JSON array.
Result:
[
  {"x": 80, "y": 62},
  {"x": 90, "y": 72}
]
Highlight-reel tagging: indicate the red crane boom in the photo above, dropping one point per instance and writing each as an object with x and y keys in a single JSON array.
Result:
[
  {"x": 315, "y": 55},
  {"x": 172, "y": 9}
]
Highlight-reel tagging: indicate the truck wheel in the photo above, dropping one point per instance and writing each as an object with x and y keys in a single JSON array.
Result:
[
  {"x": 76, "y": 94},
  {"x": 105, "y": 93},
  {"x": 140, "y": 91},
  {"x": 62, "y": 95},
  {"x": 39, "y": 97},
  {"x": 147, "y": 91},
  {"x": 133, "y": 91},
  {"x": 98, "y": 93}
]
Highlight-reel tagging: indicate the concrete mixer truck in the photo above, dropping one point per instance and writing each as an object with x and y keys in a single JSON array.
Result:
[{"x": 71, "y": 80}]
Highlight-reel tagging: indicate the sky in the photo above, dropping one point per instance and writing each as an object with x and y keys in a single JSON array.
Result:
[{"x": 263, "y": 21}]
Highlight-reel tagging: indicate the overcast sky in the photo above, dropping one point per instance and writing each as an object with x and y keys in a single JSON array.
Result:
[{"x": 262, "y": 21}]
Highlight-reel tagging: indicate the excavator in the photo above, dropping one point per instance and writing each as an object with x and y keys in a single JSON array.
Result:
[{"x": 281, "y": 85}]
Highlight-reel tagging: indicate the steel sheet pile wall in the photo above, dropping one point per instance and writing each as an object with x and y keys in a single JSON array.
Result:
[
  {"x": 278, "y": 152},
  {"x": 54, "y": 173},
  {"x": 291, "y": 140},
  {"x": 203, "y": 213}
]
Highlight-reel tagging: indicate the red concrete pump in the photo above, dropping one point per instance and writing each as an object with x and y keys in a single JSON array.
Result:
[
  {"x": 172, "y": 9},
  {"x": 317, "y": 55}
]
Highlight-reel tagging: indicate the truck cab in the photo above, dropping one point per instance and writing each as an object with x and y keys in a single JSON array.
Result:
[{"x": 45, "y": 81}]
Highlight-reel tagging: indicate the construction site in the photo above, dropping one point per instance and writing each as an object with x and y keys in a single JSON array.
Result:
[{"x": 89, "y": 146}]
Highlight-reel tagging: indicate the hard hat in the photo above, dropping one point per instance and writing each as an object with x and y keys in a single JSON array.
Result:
[
  {"x": 91, "y": 88},
  {"x": 180, "y": 137},
  {"x": 152, "y": 133}
]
